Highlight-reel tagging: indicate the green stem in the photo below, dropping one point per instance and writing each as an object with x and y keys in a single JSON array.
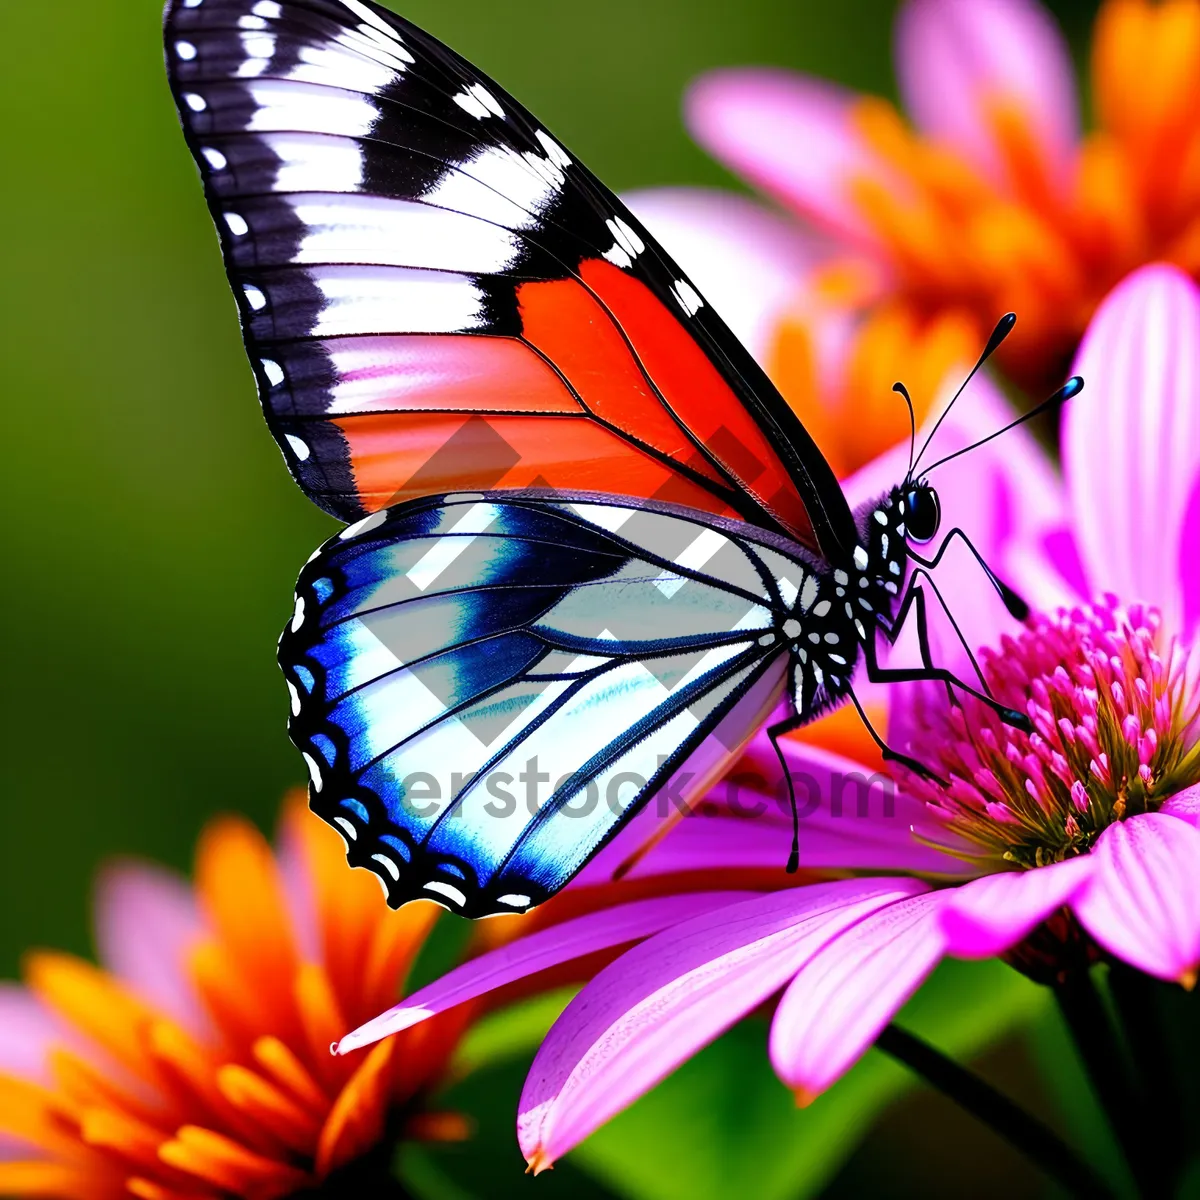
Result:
[
  {"x": 1104, "y": 1060},
  {"x": 1039, "y": 1144},
  {"x": 1136, "y": 997}
]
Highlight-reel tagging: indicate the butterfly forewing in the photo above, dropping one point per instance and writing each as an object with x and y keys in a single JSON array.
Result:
[
  {"x": 487, "y": 687},
  {"x": 435, "y": 294}
]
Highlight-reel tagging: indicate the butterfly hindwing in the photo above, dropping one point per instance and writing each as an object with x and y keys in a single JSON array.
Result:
[
  {"x": 435, "y": 295},
  {"x": 486, "y": 687}
]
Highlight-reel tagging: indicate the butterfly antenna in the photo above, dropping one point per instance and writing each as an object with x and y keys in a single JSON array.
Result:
[
  {"x": 1003, "y": 329},
  {"x": 1072, "y": 387},
  {"x": 912, "y": 424}
]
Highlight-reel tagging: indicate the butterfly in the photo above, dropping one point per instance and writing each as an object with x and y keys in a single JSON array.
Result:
[{"x": 589, "y": 548}]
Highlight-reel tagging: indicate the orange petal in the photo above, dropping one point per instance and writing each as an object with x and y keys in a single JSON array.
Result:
[
  {"x": 394, "y": 945},
  {"x": 41, "y": 1118},
  {"x": 792, "y": 366},
  {"x": 218, "y": 1160},
  {"x": 439, "y": 1127},
  {"x": 193, "y": 1073},
  {"x": 239, "y": 1011},
  {"x": 348, "y": 903},
  {"x": 357, "y": 1120},
  {"x": 93, "y": 1001},
  {"x": 240, "y": 889},
  {"x": 322, "y": 1019},
  {"x": 133, "y": 1140},
  {"x": 264, "y": 1103},
  {"x": 842, "y": 732},
  {"x": 58, "y": 1181},
  {"x": 286, "y": 1069},
  {"x": 90, "y": 1086},
  {"x": 145, "y": 1189}
]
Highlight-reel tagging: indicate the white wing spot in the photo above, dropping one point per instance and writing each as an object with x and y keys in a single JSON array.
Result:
[
  {"x": 689, "y": 299},
  {"x": 387, "y": 864},
  {"x": 363, "y": 526},
  {"x": 860, "y": 558},
  {"x": 808, "y": 593},
  {"x": 894, "y": 567},
  {"x": 314, "y": 773},
  {"x": 883, "y": 544},
  {"x": 298, "y": 615},
  {"x": 841, "y": 577},
  {"x": 554, "y": 152},
  {"x": 254, "y": 297},
  {"x": 273, "y": 371},
  {"x": 791, "y": 628},
  {"x": 347, "y": 827},
  {"x": 822, "y": 608},
  {"x": 295, "y": 695},
  {"x": 880, "y": 516},
  {"x": 251, "y": 23},
  {"x": 767, "y": 639},
  {"x": 185, "y": 50},
  {"x": 215, "y": 158},
  {"x": 192, "y": 3},
  {"x": 446, "y": 889},
  {"x": 625, "y": 237},
  {"x": 194, "y": 102},
  {"x": 268, "y": 8},
  {"x": 478, "y": 102},
  {"x": 238, "y": 225},
  {"x": 862, "y": 633},
  {"x": 900, "y": 529},
  {"x": 837, "y": 658},
  {"x": 300, "y": 448},
  {"x": 514, "y": 900},
  {"x": 831, "y": 639},
  {"x": 363, "y": 13}
]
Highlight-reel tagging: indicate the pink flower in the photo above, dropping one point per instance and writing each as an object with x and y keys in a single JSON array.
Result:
[
  {"x": 1085, "y": 832},
  {"x": 986, "y": 199}
]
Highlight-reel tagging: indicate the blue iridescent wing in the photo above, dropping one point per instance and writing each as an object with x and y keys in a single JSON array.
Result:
[{"x": 486, "y": 688}]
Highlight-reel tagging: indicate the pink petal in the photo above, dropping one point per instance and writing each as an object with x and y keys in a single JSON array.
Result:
[
  {"x": 537, "y": 952},
  {"x": 850, "y": 817},
  {"x": 987, "y": 916},
  {"x": 838, "y": 1003},
  {"x": 662, "y": 1001},
  {"x": 791, "y": 136},
  {"x": 747, "y": 261},
  {"x": 1143, "y": 903},
  {"x": 1131, "y": 441},
  {"x": 146, "y": 918},
  {"x": 1185, "y": 805},
  {"x": 955, "y": 57},
  {"x": 27, "y": 1031}
]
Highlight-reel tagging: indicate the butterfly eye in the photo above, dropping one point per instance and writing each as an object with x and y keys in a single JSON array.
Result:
[{"x": 923, "y": 513}]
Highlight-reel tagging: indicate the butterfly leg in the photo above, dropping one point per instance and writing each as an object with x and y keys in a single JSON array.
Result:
[
  {"x": 1015, "y": 605},
  {"x": 890, "y": 755},
  {"x": 775, "y": 732},
  {"x": 914, "y": 597}
]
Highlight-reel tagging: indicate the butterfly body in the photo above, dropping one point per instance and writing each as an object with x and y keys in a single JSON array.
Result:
[{"x": 591, "y": 548}]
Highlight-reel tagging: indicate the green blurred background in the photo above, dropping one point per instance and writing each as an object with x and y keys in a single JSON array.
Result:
[{"x": 151, "y": 533}]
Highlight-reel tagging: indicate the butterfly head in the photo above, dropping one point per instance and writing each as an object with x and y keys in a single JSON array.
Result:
[{"x": 922, "y": 511}]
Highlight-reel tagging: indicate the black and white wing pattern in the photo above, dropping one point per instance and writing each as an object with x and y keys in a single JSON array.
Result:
[
  {"x": 486, "y": 687},
  {"x": 436, "y": 296}
]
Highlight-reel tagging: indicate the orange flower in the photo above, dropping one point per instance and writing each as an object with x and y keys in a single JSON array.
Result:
[
  {"x": 990, "y": 201},
  {"x": 198, "y": 1065}
]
